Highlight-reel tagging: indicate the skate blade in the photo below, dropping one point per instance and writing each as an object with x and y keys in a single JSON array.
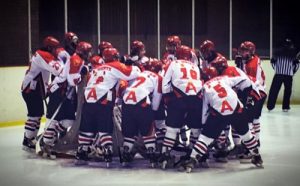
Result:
[{"x": 107, "y": 164}]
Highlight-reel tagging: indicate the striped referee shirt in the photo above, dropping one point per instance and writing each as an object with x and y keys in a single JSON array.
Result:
[{"x": 285, "y": 65}]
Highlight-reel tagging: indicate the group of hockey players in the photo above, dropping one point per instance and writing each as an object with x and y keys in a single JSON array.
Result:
[{"x": 188, "y": 103}]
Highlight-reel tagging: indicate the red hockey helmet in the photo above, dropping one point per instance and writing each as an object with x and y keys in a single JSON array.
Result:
[
  {"x": 110, "y": 54},
  {"x": 220, "y": 63},
  {"x": 71, "y": 37},
  {"x": 84, "y": 49},
  {"x": 137, "y": 48},
  {"x": 209, "y": 73},
  {"x": 172, "y": 43},
  {"x": 153, "y": 65},
  {"x": 207, "y": 48},
  {"x": 183, "y": 52},
  {"x": 51, "y": 42},
  {"x": 247, "y": 50},
  {"x": 103, "y": 45}
]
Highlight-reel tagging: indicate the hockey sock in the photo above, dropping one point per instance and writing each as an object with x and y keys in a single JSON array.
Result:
[
  {"x": 256, "y": 127},
  {"x": 251, "y": 128},
  {"x": 200, "y": 146},
  {"x": 32, "y": 126},
  {"x": 193, "y": 137},
  {"x": 85, "y": 140},
  {"x": 50, "y": 133},
  {"x": 105, "y": 140},
  {"x": 221, "y": 139},
  {"x": 128, "y": 142},
  {"x": 183, "y": 136},
  {"x": 249, "y": 141},
  {"x": 149, "y": 141},
  {"x": 170, "y": 138},
  {"x": 160, "y": 130},
  {"x": 236, "y": 137}
]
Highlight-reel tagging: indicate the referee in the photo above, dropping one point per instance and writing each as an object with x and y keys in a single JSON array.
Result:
[{"x": 285, "y": 64}]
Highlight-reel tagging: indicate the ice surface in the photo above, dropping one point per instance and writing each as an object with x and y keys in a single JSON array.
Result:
[{"x": 280, "y": 140}]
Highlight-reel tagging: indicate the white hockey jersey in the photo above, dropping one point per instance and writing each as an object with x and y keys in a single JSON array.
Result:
[
  {"x": 64, "y": 58},
  {"x": 146, "y": 84},
  {"x": 219, "y": 94},
  {"x": 41, "y": 65},
  {"x": 104, "y": 79},
  {"x": 183, "y": 77}
]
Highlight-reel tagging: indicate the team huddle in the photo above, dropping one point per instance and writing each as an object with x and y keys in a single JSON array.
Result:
[{"x": 177, "y": 112}]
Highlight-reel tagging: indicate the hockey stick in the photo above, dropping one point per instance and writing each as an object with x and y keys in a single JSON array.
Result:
[{"x": 40, "y": 137}]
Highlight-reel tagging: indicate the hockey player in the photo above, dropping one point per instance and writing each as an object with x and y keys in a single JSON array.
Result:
[
  {"x": 61, "y": 94},
  {"x": 208, "y": 53},
  {"x": 98, "y": 106},
  {"x": 220, "y": 107},
  {"x": 140, "y": 100},
  {"x": 173, "y": 42},
  {"x": 71, "y": 41},
  {"x": 222, "y": 145},
  {"x": 182, "y": 89},
  {"x": 137, "y": 55},
  {"x": 251, "y": 65},
  {"x": 34, "y": 87},
  {"x": 97, "y": 60}
]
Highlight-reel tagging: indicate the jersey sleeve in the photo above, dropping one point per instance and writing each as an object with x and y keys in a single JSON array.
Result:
[
  {"x": 48, "y": 62},
  {"x": 157, "y": 93},
  {"x": 74, "y": 76},
  {"x": 125, "y": 72},
  {"x": 166, "y": 82}
]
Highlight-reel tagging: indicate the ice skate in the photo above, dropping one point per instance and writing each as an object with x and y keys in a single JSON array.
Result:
[
  {"x": 47, "y": 150},
  {"x": 151, "y": 156},
  {"x": 166, "y": 160},
  {"x": 257, "y": 161},
  {"x": 189, "y": 165},
  {"x": 126, "y": 156},
  {"x": 28, "y": 144},
  {"x": 236, "y": 151},
  {"x": 220, "y": 155},
  {"x": 81, "y": 157}
]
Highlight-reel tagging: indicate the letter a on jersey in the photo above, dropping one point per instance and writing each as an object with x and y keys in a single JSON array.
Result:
[
  {"x": 92, "y": 94},
  {"x": 190, "y": 86},
  {"x": 131, "y": 96},
  {"x": 225, "y": 106}
]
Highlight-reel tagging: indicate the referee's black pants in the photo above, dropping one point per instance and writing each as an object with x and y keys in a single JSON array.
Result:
[{"x": 274, "y": 90}]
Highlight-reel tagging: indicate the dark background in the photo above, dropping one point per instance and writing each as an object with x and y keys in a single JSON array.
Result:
[{"x": 250, "y": 21}]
